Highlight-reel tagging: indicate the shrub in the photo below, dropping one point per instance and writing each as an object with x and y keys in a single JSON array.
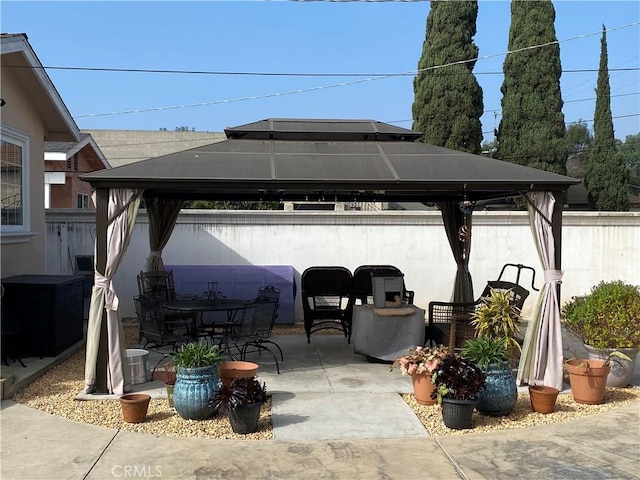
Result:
[{"x": 608, "y": 317}]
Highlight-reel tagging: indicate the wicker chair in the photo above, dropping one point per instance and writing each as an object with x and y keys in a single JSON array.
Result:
[
  {"x": 450, "y": 323},
  {"x": 327, "y": 300},
  {"x": 362, "y": 285}
]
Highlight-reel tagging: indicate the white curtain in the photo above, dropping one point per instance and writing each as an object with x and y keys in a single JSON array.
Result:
[
  {"x": 122, "y": 212},
  {"x": 541, "y": 359}
]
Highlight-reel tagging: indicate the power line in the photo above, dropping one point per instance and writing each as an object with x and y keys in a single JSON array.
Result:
[
  {"x": 575, "y": 101},
  {"x": 278, "y": 74},
  {"x": 354, "y": 82}
]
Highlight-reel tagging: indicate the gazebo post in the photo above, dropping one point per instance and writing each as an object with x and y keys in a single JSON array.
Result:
[
  {"x": 556, "y": 228},
  {"x": 102, "y": 219}
]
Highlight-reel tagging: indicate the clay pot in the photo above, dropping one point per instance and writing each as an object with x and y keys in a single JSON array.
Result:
[
  {"x": 422, "y": 388},
  {"x": 588, "y": 380},
  {"x": 543, "y": 398},
  {"x": 134, "y": 407},
  {"x": 236, "y": 369}
]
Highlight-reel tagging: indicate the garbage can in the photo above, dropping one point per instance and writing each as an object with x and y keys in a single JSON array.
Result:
[{"x": 138, "y": 365}]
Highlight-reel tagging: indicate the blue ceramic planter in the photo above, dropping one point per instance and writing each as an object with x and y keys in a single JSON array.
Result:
[
  {"x": 194, "y": 389},
  {"x": 500, "y": 394}
]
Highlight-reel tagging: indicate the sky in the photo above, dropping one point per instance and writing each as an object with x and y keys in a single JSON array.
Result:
[{"x": 342, "y": 60}]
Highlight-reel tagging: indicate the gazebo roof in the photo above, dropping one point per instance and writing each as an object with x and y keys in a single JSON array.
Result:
[{"x": 314, "y": 159}]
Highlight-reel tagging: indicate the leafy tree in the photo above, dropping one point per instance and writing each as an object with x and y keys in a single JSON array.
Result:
[
  {"x": 578, "y": 137},
  {"x": 606, "y": 175},
  {"x": 630, "y": 149},
  {"x": 532, "y": 129},
  {"x": 447, "y": 103}
]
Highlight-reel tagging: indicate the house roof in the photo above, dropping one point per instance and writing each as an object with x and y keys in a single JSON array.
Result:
[
  {"x": 318, "y": 159},
  {"x": 18, "y": 55},
  {"x": 71, "y": 148}
]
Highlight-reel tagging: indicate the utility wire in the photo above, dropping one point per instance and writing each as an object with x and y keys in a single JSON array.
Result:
[{"x": 355, "y": 82}]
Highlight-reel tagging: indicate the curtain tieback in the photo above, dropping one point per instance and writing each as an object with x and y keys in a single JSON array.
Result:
[
  {"x": 110, "y": 298},
  {"x": 553, "y": 276},
  {"x": 462, "y": 268},
  {"x": 156, "y": 253}
]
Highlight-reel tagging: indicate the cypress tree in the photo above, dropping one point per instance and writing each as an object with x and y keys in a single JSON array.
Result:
[
  {"x": 606, "y": 175},
  {"x": 531, "y": 131},
  {"x": 447, "y": 103}
]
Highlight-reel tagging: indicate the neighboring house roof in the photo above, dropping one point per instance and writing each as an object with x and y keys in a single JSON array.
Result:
[
  {"x": 18, "y": 55},
  {"x": 69, "y": 149},
  {"x": 336, "y": 160},
  {"x": 122, "y": 147}
]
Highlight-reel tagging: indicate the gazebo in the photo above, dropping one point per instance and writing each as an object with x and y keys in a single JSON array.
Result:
[{"x": 321, "y": 160}]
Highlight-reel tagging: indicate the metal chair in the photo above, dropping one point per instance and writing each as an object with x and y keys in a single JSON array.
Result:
[
  {"x": 155, "y": 329},
  {"x": 327, "y": 300},
  {"x": 362, "y": 284},
  {"x": 159, "y": 286},
  {"x": 251, "y": 331}
]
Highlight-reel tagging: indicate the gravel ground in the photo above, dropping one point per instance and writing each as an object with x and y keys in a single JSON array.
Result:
[{"x": 55, "y": 393}]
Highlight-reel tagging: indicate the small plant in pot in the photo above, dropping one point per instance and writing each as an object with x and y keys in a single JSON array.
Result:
[
  {"x": 497, "y": 317},
  {"x": 500, "y": 394},
  {"x": 242, "y": 400},
  {"x": 608, "y": 320},
  {"x": 420, "y": 363},
  {"x": 458, "y": 382},
  {"x": 197, "y": 379}
]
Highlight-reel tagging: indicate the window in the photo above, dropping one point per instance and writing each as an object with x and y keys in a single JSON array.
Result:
[
  {"x": 14, "y": 170},
  {"x": 83, "y": 201}
]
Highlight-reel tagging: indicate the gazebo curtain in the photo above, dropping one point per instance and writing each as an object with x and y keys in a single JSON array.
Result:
[
  {"x": 122, "y": 211},
  {"x": 541, "y": 358},
  {"x": 162, "y": 219},
  {"x": 454, "y": 219}
]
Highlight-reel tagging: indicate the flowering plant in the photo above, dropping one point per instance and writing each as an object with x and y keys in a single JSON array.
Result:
[{"x": 420, "y": 360}]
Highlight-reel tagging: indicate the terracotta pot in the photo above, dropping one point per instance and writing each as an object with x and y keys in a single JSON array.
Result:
[
  {"x": 621, "y": 370},
  {"x": 165, "y": 376},
  {"x": 134, "y": 407},
  {"x": 543, "y": 398},
  {"x": 236, "y": 369},
  {"x": 422, "y": 388},
  {"x": 588, "y": 380}
]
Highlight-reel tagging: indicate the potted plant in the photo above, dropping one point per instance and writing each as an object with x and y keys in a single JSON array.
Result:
[
  {"x": 497, "y": 317},
  {"x": 588, "y": 378},
  {"x": 242, "y": 400},
  {"x": 608, "y": 320},
  {"x": 499, "y": 396},
  {"x": 420, "y": 362},
  {"x": 230, "y": 369},
  {"x": 197, "y": 379},
  {"x": 458, "y": 382},
  {"x": 166, "y": 372}
]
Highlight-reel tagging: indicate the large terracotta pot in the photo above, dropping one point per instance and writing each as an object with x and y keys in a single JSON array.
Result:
[
  {"x": 422, "y": 388},
  {"x": 621, "y": 370},
  {"x": 588, "y": 380},
  {"x": 236, "y": 369}
]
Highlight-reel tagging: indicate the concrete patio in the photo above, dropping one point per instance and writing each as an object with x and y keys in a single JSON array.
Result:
[{"x": 334, "y": 416}]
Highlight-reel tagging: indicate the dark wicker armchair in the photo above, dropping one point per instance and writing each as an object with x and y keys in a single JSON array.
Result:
[
  {"x": 362, "y": 285},
  {"x": 327, "y": 300}
]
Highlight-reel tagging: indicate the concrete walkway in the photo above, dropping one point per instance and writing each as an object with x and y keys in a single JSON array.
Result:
[{"x": 334, "y": 416}]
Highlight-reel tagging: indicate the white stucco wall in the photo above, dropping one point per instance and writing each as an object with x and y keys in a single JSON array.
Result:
[{"x": 596, "y": 246}]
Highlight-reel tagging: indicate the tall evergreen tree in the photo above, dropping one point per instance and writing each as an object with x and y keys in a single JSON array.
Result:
[
  {"x": 606, "y": 175},
  {"x": 447, "y": 103},
  {"x": 531, "y": 131}
]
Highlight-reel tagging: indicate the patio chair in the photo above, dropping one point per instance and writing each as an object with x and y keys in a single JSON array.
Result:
[
  {"x": 450, "y": 323},
  {"x": 273, "y": 294},
  {"x": 155, "y": 329},
  {"x": 363, "y": 287},
  {"x": 327, "y": 300},
  {"x": 159, "y": 286},
  {"x": 251, "y": 331}
]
